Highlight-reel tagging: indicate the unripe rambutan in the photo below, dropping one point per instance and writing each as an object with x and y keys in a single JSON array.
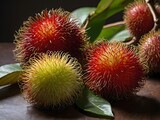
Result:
[
  {"x": 53, "y": 30},
  {"x": 113, "y": 70},
  {"x": 149, "y": 50},
  {"x": 52, "y": 80},
  {"x": 138, "y": 18}
]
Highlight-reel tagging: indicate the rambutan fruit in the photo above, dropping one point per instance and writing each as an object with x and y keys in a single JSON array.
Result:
[
  {"x": 114, "y": 70},
  {"x": 138, "y": 18},
  {"x": 149, "y": 51},
  {"x": 52, "y": 80},
  {"x": 54, "y": 30}
]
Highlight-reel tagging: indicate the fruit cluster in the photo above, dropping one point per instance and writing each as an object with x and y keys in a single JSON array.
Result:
[
  {"x": 52, "y": 48},
  {"x": 140, "y": 23},
  {"x": 49, "y": 46}
]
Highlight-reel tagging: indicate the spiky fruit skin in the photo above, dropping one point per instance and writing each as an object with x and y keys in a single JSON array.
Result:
[
  {"x": 138, "y": 18},
  {"x": 149, "y": 51},
  {"x": 52, "y": 80},
  {"x": 113, "y": 70},
  {"x": 53, "y": 30}
]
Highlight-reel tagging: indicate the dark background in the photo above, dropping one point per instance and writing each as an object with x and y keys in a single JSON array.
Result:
[{"x": 14, "y": 12}]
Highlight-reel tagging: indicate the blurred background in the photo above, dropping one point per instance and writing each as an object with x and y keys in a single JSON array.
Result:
[{"x": 14, "y": 12}]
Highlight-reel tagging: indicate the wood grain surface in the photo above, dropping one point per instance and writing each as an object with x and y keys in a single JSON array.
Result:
[{"x": 144, "y": 106}]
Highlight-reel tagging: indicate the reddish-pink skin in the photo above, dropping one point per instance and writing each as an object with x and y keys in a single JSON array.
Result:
[
  {"x": 149, "y": 51},
  {"x": 52, "y": 32},
  {"x": 113, "y": 70},
  {"x": 139, "y": 19}
]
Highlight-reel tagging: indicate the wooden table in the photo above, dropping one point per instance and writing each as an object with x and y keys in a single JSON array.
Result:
[{"x": 144, "y": 106}]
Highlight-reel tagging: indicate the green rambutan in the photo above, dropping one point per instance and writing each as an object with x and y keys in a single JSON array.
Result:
[
  {"x": 52, "y": 80},
  {"x": 53, "y": 30},
  {"x": 113, "y": 70}
]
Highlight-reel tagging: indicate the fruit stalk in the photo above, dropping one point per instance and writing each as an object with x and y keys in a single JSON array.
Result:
[
  {"x": 155, "y": 14},
  {"x": 114, "y": 24}
]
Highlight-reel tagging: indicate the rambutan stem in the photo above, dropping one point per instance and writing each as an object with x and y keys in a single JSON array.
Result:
[
  {"x": 156, "y": 17},
  {"x": 114, "y": 24},
  {"x": 133, "y": 41}
]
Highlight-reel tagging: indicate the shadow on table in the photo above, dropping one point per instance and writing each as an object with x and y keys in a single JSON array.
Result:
[
  {"x": 9, "y": 91},
  {"x": 155, "y": 77},
  {"x": 68, "y": 113},
  {"x": 139, "y": 105}
]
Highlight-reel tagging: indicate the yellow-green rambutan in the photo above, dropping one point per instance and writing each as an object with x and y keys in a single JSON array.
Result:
[{"x": 52, "y": 80}]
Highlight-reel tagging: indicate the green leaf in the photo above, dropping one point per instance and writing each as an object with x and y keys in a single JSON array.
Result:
[
  {"x": 94, "y": 29},
  {"x": 9, "y": 74},
  {"x": 105, "y": 9},
  {"x": 82, "y": 13},
  {"x": 109, "y": 31},
  {"x": 94, "y": 105},
  {"x": 121, "y": 36}
]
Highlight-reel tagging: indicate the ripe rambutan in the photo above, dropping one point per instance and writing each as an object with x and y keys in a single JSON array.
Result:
[
  {"x": 53, "y": 30},
  {"x": 113, "y": 70},
  {"x": 138, "y": 18},
  {"x": 149, "y": 50},
  {"x": 52, "y": 80}
]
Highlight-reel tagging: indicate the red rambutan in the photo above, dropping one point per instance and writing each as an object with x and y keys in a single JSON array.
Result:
[
  {"x": 138, "y": 18},
  {"x": 149, "y": 51},
  {"x": 113, "y": 70},
  {"x": 53, "y": 30}
]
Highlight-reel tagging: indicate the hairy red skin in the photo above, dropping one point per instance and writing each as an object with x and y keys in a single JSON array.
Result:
[
  {"x": 113, "y": 70},
  {"x": 52, "y": 30},
  {"x": 149, "y": 51},
  {"x": 138, "y": 18}
]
